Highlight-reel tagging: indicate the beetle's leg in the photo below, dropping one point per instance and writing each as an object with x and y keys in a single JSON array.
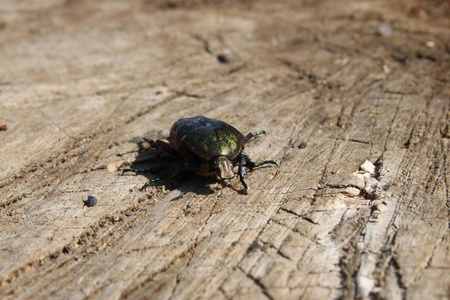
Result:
[
  {"x": 163, "y": 145},
  {"x": 151, "y": 170},
  {"x": 166, "y": 175},
  {"x": 136, "y": 170},
  {"x": 252, "y": 135},
  {"x": 244, "y": 161},
  {"x": 169, "y": 173},
  {"x": 266, "y": 162}
]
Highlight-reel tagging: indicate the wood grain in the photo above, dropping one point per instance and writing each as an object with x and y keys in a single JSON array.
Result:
[{"x": 82, "y": 83}]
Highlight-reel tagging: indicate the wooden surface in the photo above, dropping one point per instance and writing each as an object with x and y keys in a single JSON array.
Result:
[{"x": 84, "y": 81}]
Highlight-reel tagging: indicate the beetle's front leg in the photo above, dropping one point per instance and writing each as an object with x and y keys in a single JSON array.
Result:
[{"x": 244, "y": 161}]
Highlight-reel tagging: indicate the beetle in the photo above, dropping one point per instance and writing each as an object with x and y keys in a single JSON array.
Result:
[{"x": 206, "y": 146}]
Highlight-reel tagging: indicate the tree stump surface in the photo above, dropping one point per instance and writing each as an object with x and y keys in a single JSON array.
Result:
[{"x": 334, "y": 84}]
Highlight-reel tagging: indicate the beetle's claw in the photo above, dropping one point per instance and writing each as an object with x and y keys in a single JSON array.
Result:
[
  {"x": 245, "y": 191},
  {"x": 125, "y": 170},
  {"x": 147, "y": 184},
  {"x": 144, "y": 187}
]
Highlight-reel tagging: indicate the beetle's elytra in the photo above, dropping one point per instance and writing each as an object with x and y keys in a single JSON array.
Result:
[{"x": 206, "y": 146}]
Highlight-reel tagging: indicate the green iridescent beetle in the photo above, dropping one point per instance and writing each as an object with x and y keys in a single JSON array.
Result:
[{"x": 207, "y": 147}]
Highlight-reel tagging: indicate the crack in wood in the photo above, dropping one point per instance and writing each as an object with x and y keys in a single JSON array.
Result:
[
  {"x": 221, "y": 290},
  {"x": 302, "y": 234},
  {"x": 303, "y": 217},
  {"x": 278, "y": 251},
  {"x": 257, "y": 283},
  {"x": 394, "y": 263}
]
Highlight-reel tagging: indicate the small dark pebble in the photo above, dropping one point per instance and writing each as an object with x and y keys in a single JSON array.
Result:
[
  {"x": 223, "y": 59},
  {"x": 91, "y": 201},
  {"x": 302, "y": 145},
  {"x": 120, "y": 154},
  {"x": 3, "y": 127}
]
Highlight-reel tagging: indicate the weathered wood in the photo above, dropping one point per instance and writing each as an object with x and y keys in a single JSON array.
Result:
[{"x": 84, "y": 81}]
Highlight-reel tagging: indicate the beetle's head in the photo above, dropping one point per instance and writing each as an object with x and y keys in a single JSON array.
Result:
[{"x": 224, "y": 167}]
